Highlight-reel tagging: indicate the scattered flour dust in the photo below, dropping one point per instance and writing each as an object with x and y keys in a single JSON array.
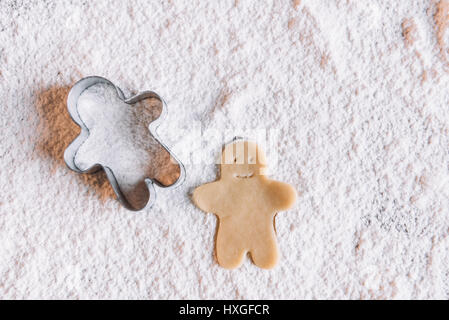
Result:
[
  {"x": 409, "y": 31},
  {"x": 441, "y": 24},
  {"x": 362, "y": 138}
]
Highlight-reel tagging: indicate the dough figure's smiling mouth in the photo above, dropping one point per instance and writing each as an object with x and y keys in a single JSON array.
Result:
[{"x": 244, "y": 176}]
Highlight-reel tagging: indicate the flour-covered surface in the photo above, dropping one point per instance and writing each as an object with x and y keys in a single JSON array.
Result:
[{"x": 357, "y": 90}]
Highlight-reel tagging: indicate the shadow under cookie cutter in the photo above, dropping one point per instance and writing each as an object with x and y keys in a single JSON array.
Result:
[{"x": 72, "y": 149}]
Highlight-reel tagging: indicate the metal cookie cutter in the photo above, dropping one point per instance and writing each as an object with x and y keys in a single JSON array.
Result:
[{"x": 72, "y": 150}]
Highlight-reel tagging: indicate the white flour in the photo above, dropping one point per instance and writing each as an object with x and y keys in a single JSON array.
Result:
[{"x": 357, "y": 89}]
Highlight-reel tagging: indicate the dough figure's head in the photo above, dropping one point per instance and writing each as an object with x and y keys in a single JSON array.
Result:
[{"x": 242, "y": 160}]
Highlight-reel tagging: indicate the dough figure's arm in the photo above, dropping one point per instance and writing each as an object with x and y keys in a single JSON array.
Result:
[
  {"x": 207, "y": 197},
  {"x": 282, "y": 194}
]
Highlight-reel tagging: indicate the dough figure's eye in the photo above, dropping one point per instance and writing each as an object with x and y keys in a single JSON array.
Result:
[{"x": 235, "y": 160}]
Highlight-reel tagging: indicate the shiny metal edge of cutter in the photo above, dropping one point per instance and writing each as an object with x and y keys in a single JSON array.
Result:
[{"x": 70, "y": 152}]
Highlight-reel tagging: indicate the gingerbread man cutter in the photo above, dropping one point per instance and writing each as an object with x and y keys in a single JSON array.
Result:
[{"x": 118, "y": 135}]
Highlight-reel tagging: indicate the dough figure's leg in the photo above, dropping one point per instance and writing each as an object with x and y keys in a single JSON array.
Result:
[
  {"x": 230, "y": 252},
  {"x": 265, "y": 252}
]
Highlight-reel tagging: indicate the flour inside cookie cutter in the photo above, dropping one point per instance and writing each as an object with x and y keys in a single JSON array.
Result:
[{"x": 118, "y": 135}]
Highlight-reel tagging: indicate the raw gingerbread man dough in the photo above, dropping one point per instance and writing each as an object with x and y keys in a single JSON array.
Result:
[{"x": 245, "y": 202}]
